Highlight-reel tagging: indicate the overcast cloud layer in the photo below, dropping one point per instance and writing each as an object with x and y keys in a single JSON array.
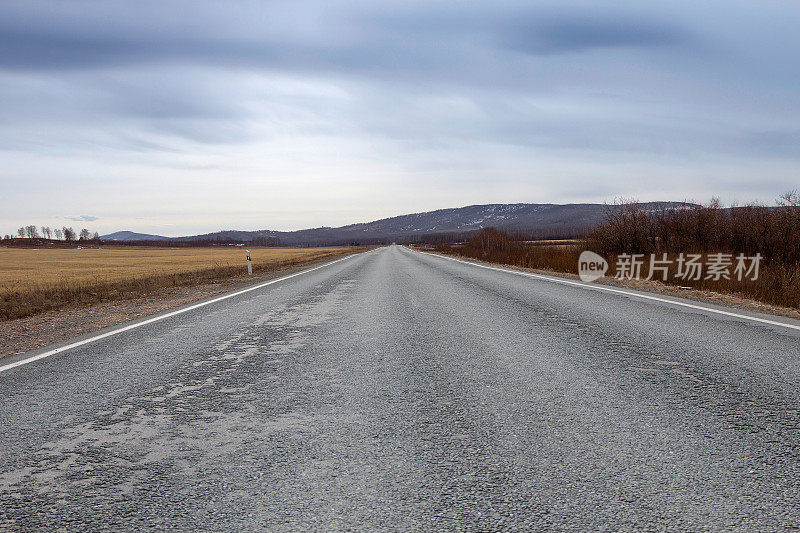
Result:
[{"x": 186, "y": 117}]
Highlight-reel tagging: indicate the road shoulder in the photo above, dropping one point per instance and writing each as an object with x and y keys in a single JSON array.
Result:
[
  {"x": 20, "y": 338},
  {"x": 711, "y": 300}
]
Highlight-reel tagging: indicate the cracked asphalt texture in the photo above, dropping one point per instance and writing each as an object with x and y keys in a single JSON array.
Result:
[{"x": 400, "y": 391}]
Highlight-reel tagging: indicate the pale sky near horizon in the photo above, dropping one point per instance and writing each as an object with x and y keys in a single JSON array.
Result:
[{"x": 186, "y": 117}]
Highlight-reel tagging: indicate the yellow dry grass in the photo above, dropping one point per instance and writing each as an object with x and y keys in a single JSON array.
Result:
[
  {"x": 37, "y": 280},
  {"x": 21, "y": 267}
]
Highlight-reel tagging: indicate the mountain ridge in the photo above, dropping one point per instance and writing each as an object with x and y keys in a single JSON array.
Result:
[
  {"x": 536, "y": 220},
  {"x": 126, "y": 235}
]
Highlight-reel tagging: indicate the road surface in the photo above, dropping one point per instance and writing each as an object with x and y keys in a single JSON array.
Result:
[{"x": 395, "y": 390}]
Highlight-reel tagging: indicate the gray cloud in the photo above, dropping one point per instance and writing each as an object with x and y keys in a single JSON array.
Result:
[
  {"x": 580, "y": 33},
  {"x": 187, "y": 98},
  {"x": 414, "y": 36},
  {"x": 82, "y": 218}
]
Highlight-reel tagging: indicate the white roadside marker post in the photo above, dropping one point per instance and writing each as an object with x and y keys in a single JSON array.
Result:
[{"x": 249, "y": 264}]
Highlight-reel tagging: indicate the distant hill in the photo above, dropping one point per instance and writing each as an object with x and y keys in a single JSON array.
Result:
[
  {"x": 131, "y": 236},
  {"x": 544, "y": 221}
]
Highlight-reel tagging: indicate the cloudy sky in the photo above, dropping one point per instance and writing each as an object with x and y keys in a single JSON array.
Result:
[{"x": 186, "y": 117}]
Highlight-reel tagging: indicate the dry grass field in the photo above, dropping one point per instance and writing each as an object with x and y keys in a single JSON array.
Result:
[{"x": 36, "y": 280}]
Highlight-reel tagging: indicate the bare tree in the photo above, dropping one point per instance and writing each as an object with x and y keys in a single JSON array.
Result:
[
  {"x": 32, "y": 231},
  {"x": 69, "y": 234},
  {"x": 21, "y": 233},
  {"x": 58, "y": 233},
  {"x": 96, "y": 236},
  {"x": 47, "y": 232},
  {"x": 85, "y": 235}
]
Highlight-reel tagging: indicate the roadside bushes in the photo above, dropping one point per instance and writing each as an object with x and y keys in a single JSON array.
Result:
[
  {"x": 498, "y": 247},
  {"x": 773, "y": 232}
]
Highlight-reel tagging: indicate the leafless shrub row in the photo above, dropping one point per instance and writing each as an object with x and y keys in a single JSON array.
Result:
[{"x": 771, "y": 231}]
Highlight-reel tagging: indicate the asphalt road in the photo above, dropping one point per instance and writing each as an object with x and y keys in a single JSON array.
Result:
[{"x": 399, "y": 391}]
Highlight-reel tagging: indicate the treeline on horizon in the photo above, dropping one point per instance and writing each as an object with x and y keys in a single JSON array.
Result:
[
  {"x": 773, "y": 232},
  {"x": 66, "y": 234}
]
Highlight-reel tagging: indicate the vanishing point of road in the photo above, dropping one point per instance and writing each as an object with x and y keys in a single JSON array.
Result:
[{"x": 395, "y": 390}]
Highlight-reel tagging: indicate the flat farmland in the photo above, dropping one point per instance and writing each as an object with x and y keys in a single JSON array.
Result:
[{"x": 35, "y": 280}]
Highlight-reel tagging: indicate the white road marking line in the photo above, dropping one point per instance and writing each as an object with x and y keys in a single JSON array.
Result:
[
  {"x": 162, "y": 317},
  {"x": 620, "y": 291}
]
